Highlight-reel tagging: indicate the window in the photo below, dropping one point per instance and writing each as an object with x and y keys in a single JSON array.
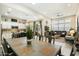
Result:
[
  {"x": 61, "y": 27},
  {"x": 61, "y": 24}
]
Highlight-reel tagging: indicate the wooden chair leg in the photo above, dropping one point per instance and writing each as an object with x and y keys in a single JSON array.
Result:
[
  {"x": 73, "y": 51},
  {"x": 59, "y": 52}
]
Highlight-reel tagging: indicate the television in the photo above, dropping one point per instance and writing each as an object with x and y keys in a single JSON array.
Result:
[
  {"x": 14, "y": 20},
  {"x": 14, "y": 27}
]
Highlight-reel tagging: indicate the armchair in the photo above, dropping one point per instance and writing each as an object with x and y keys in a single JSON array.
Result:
[{"x": 71, "y": 36}]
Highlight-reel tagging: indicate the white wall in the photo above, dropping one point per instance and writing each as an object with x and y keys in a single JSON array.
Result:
[
  {"x": 22, "y": 26},
  {"x": 0, "y": 29}
]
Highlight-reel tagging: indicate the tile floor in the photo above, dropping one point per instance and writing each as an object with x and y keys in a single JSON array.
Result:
[{"x": 66, "y": 48}]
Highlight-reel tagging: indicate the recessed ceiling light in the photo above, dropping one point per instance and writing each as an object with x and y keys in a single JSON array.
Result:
[
  {"x": 59, "y": 14},
  {"x": 33, "y": 3},
  {"x": 6, "y": 14},
  {"x": 9, "y": 9},
  {"x": 68, "y": 5}
]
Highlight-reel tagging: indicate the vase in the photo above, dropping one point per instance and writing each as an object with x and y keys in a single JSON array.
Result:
[{"x": 29, "y": 41}]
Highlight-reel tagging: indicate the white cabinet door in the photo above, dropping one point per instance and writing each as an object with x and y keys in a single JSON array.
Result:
[{"x": 22, "y": 26}]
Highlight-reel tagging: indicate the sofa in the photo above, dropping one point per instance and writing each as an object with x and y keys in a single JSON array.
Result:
[
  {"x": 77, "y": 42},
  {"x": 77, "y": 45},
  {"x": 71, "y": 38},
  {"x": 61, "y": 33},
  {"x": 19, "y": 34}
]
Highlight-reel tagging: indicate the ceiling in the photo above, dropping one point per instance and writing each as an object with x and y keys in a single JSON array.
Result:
[{"x": 39, "y": 10}]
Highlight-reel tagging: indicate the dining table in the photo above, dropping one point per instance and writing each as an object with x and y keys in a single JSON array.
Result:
[{"x": 36, "y": 48}]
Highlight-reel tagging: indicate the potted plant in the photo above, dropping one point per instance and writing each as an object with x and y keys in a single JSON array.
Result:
[{"x": 29, "y": 34}]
